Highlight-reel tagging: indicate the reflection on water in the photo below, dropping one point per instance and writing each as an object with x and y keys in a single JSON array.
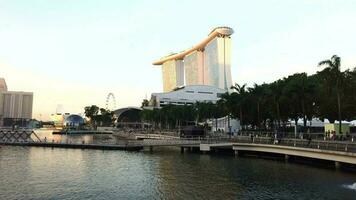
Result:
[
  {"x": 46, "y": 135},
  {"x": 351, "y": 186},
  {"x": 45, "y": 173}
]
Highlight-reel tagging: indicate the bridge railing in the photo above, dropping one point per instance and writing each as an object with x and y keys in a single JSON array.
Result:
[
  {"x": 345, "y": 146},
  {"x": 9, "y": 136},
  {"x": 19, "y": 135}
]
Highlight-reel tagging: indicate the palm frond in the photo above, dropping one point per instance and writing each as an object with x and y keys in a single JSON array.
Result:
[
  {"x": 325, "y": 62},
  {"x": 336, "y": 62}
]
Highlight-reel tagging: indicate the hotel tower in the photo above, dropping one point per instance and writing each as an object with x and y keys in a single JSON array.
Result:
[{"x": 206, "y": 63}]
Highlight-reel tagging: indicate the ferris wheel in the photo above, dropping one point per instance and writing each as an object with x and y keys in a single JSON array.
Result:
[{"x": 110, "y": 102}]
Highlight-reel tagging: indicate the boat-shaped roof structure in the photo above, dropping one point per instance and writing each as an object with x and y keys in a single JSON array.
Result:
[{"x": 216, "y": 32}]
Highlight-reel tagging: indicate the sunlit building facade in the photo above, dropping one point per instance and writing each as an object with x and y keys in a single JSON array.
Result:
[
  {"x": 187, "y": 95},
  {"x": 3, "y": 86},
  {"x": 194, "y": 68},
  {"x": 217, "y": 63},
  {"x": 15, "y": 107},
  {"x": 172, "y": 74},
  {"x": 207, "y": 63}
]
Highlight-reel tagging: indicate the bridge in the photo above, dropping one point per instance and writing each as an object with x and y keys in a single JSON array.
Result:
[{"x": 339, "y": 152}]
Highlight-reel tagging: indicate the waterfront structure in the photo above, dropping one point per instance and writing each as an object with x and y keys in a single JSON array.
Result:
[
  {"x": 57, "y": 119},
  {"x": 187, "y": 95},
  {"x": 225, "y": 124},
  {"x": 207, "y": 63},
  {"x": 15, "y": 106},
  {"x": 73, "y": 121},
  {"x": 128, "y": 114},
  {"x": 334, "y": 128}
]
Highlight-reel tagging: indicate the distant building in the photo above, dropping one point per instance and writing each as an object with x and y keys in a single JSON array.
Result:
[
  {"x": 3, "y": 86},
  {"x": 201, "y": 73},
  {"x": 225, "y": 124},
  {"x": 194, "y": 68},
  {"x": 128, "y": 114},
  {"x": 57, "y": 120},
  {"x": 187, "y": 95},
  {"x": 207, "y": 63},
  {"x": 172, "y": 74},
  {"x": 73, "y": 121},
  {"x": 15, "y": 107}
]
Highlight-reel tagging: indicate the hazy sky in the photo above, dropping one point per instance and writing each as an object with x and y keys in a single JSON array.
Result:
[{"x": 74, "y": 52}]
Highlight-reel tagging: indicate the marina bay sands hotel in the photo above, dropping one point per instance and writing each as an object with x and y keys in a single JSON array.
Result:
[{"x": 207, "y": 63}]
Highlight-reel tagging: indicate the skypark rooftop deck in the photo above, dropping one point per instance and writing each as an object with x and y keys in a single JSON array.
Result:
[{"x": 219, "y": 31}]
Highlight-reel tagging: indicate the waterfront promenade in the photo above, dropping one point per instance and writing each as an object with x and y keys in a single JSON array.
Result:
[{"x": 340, "y": 152}]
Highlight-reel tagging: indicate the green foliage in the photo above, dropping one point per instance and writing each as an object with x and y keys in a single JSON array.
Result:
[
  {"x": 330, "y": 93},
  {"x": 99, "y": 116},
  {"x": 174, "y": 116},
  {"x": 144, "y": 103}
]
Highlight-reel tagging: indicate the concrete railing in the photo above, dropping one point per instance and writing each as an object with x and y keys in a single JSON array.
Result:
[{"x": 345, "y": 146}]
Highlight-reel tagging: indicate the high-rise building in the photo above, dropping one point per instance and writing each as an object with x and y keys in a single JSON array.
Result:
[
  {"x": 194, "y": 68},
  {"x": 207, "y": 63},
  {"x": 3, "y": 86},
  {"x": 15, "y": 107},
  {"x": 217, "y": 64},
  {"x": 173, "y": 74}
]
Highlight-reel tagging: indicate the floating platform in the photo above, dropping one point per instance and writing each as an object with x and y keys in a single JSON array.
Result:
[{"x": 80, "y": 132}]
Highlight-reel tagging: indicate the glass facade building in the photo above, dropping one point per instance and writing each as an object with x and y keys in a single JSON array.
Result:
[
  {"x": 217, "y": 64},
  {"x": 173, "y": 74},
  {"x": 207, "y": 63},
  {"x": 194, "y": 68}
]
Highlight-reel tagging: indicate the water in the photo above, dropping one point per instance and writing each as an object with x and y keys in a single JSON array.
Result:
[
  {"x": 46, "y": 135},
  {"x": 45, "y": 173},
  {"x": 351, "y": 186}
]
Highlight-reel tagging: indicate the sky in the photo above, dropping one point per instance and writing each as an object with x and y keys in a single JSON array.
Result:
[{"x": 74, "y": 52}]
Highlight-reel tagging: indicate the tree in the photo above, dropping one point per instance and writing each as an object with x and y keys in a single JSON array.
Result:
[
  {"x": 91, "y": 112},
  {"x": 98, "y": 115},
  {"x": 334, "y": 79},
  {"x": 144, "y": 103},
  {"x": 106, "y": 117},
  {"x": 241, "y": 101},
  {"x": 259, "y": 94},
  {"x": 276, "y": 89},
  {"x": 301, "y": 92}
]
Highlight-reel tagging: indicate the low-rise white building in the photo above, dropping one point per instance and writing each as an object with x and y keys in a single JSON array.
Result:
[
  {"x": 15, "y": 106},
  {"x": 187, "y": 95},
  {"x": 225, "y": 125}
]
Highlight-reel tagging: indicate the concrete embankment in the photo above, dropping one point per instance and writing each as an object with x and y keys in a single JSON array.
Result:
[{"x": 77, "y": 146}]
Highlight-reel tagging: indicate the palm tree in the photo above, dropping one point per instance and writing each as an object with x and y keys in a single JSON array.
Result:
[
  {"x": 258, "y": 93},
  {"x": 333, "y": 69},
  {"x": 241, "y": 91},
  {"x": 276, "y": 89}
]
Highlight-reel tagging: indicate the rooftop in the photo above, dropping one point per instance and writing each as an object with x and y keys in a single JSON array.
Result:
[{"x": 218, "y": 31}]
